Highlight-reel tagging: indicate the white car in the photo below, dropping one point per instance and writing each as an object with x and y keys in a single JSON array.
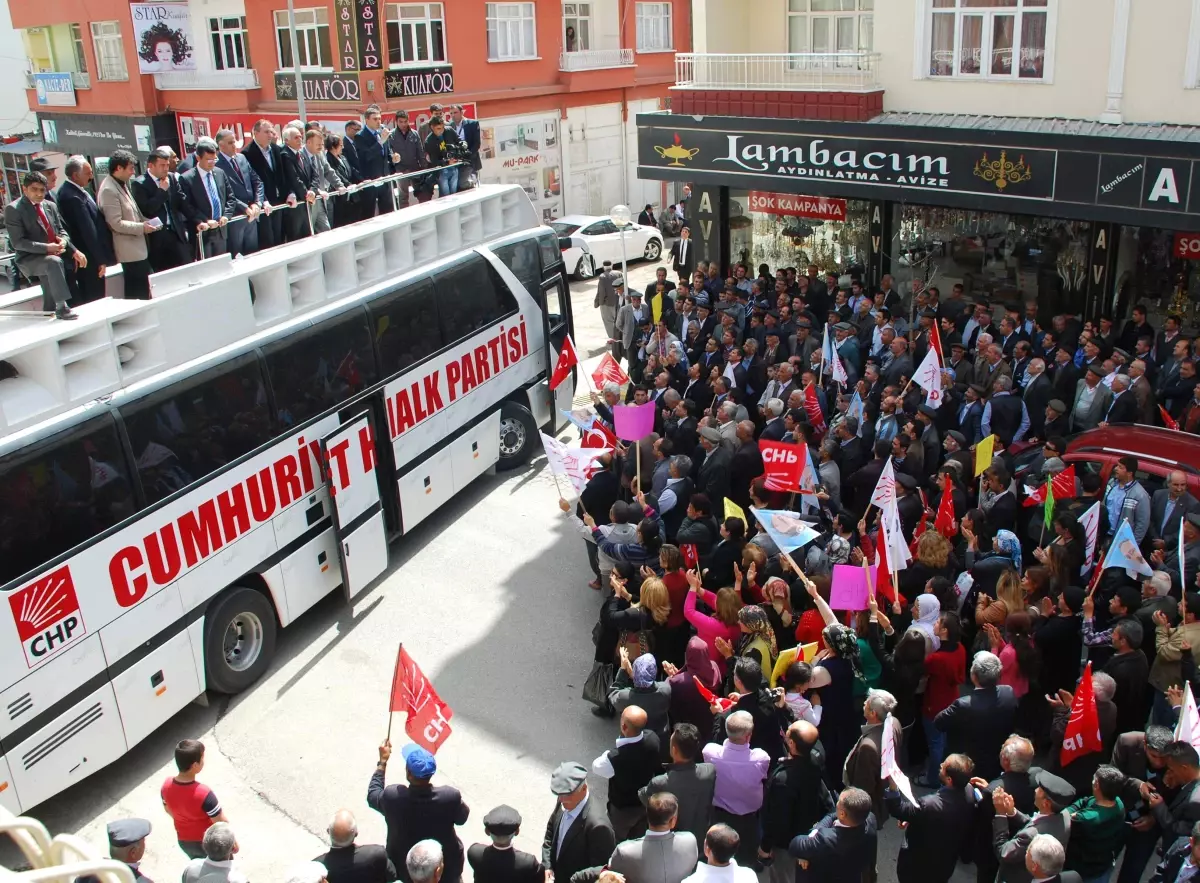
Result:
[{"x": 587, "y": 241}]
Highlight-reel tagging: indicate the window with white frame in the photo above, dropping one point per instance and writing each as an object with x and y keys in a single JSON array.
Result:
[
  {"x": 312, "y": 38},
  {"x": 110, "y": 51},
  {"x": 229, "y": 43},
  {"x": 831, "y": 25},
  {"x": 511, "y": 31},
  {"x": 993, "y": 39},
  {"x": 416, "y": 33},
  {"x": 577, "y": 26},
  {"x": 654, "y": 27},
  {"x": 77, "y": 48}
]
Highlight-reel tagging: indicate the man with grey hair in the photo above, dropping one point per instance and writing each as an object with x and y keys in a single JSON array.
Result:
[
  {"x": 976, "y": 724},
  {"x": 829, "y": 474},
  {"x": 1004, "y": 413},
  {"x": 88, "y": 230},
  {"x": 861, "y": 769},
  {"x": 727, "y": 424},
  {"x": 346, "y": 861},
  {"x": 308, "y": 872},
  {"x": 673, "y": 501},
  {"x": 220, "y": 846},
  {"x": 424, "y": 862},
  {"x": 208, "y": 201},
  {"x": 741, "y": 771},
  {"x": 1018, "y": 781},
  {"x": 1045, "y": 858},
  {"x": 247, "y": 187},
  {"x": 1123, "y": 408},
  {"x": 775, "y": 428},
  {"x": 1169, "y": 508}
]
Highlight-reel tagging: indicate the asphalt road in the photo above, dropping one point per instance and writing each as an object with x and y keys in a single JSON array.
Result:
[{"x": 489, "y": 596}]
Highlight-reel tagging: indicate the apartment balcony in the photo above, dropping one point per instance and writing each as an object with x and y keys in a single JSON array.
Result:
[
  {"x": 794, "y": 85},
  {"x": 596, "y": 69},
  {"x": 594, "y": 59},
  {"x": 182, "y": 81}
]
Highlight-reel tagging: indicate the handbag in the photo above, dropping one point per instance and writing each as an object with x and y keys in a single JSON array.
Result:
[
  {"x": 635, "y": 643},
  {"x": 598, "y": 683}
]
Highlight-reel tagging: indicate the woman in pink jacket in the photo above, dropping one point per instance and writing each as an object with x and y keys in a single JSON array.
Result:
[{"x": 725, "y": 625}]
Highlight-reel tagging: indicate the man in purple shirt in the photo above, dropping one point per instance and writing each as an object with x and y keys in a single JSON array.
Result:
[{"x": 741, "y": 771}]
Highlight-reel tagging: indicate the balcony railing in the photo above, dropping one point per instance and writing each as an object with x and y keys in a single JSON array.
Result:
[
  {"x": 183, "y": 80},
  {"x": 794, "y": 71},
  {"x": 78, "y": 80},
  {"x": 595, "y": 59}
]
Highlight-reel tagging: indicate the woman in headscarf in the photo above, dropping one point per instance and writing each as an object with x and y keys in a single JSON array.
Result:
[
  {"x": 925, "y": 619},
  {"x": 757, "y": 640},
  {"x": 687, "y": 705},
  {"x": 778, "y": 607},
  {"x": 1002, "y": 552},
  {"x": 635, "y": 684}
]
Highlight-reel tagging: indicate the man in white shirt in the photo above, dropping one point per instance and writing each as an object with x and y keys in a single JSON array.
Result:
[{"x": 720, "y": 846}]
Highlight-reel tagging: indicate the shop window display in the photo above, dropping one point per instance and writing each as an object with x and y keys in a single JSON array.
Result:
[{"x": 790, "y": 240}]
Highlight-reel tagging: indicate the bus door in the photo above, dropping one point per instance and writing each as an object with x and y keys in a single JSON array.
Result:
[
  {"x": 350, "y": 457},
  {"x": 557, "y": 323}
]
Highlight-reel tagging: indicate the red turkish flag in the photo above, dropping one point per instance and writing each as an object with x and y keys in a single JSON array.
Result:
[
  {"x": 598, "y": 436},
  {"x": 567, "y": 359},
  {"x": 428, "y": 716},
  {"x": 883, "y": 573},
  {"x": 691, "y": 557},
  {"x": 609, "y": 371},
  {"x": 1082, "y": 735},
  {"x": 1064, "y": 488},
  {"x": 1168, "y": 421},
  {"x": 944, "y": 523}
]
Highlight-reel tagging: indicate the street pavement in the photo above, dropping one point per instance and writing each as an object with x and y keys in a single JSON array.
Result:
[{"x": 489, "y": 596}]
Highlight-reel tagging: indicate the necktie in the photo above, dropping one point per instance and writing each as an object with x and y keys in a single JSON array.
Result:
[
  {"x": 45, "y": 222},
  {"x": 270, "y": 159},
  {"x": 212, "y": 195},
  {"x": 683, "y": 251},
  {"x": 237, "y": 171},
  {"x": 1167, "y": 510}
]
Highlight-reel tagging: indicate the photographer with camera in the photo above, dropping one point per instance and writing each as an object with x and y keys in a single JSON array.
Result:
[
  {"x": 443, "y": 147},
  {"x": 467, "y": 130}
]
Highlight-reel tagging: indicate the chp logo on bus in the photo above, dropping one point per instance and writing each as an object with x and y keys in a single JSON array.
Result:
[{"x": 47, "y": 615}]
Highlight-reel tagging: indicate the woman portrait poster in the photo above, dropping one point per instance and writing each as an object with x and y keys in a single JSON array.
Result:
[{"x": 163, "y": 32}]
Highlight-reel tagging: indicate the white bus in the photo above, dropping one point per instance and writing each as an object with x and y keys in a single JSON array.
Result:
[{"x": 163, "y": 508}]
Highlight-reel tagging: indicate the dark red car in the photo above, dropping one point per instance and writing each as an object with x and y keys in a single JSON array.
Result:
[{"x": 1159, "y": 451}]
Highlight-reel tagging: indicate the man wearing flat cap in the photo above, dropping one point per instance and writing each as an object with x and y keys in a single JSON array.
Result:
[
  {"x": 578, "y": 834},
  {"x": 1012, "y": 830},
  {"x": 501, "y": 862},
  {"x": 629, "y": 321},
  {"x": 1058, "y": 422},
  {"x": 126, "y": 843},
  {"x": 1092, "y": 400}
]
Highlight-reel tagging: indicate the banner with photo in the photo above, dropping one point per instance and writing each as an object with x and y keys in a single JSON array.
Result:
[
  {"x": 162, "y": 33},
  {"x": 525, "y": 150}
]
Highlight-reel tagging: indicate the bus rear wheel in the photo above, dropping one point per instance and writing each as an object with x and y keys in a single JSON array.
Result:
[
  {"x": 517, "y": 435},
  {"x": 239, "y": 640}
]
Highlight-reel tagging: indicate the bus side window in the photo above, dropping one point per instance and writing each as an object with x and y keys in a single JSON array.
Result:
[
  {"x": 552, "y": 258},
  {"x": 61, "y": 492},
  {"x": 470, "y": 296},
  {"x": 406, "y": 326},
  {"x": 523, "y": 259},
  {"x": 182, "y": 433},
  {"x": 318, "y": 369}
]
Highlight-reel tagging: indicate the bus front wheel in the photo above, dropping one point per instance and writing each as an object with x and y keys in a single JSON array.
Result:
[
  {"x": 239, "y": 640},
  {"x": 518, "y": 434}
]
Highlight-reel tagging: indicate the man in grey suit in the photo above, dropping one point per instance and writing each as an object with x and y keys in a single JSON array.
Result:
[
  {"x": 607, "y": 300},
  {"x": 692, "y": 783},
  {"x": 327, "y": 180},
  {"x": 629, "y": 318},
  {"x": 1012, "y": 830},
  {"x": 247, "y": 187},
  {"x": 37, "y": 237},
  {"x": 1092, "y": 400},
  {"x": 663, "y": 855},
  {"x": 1168, "y": 507}
]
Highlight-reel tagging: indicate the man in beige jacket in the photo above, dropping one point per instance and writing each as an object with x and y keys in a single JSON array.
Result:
[{"x": 129, "y": 227}]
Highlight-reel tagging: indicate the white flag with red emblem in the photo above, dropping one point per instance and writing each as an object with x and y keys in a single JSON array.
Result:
[
  {"x": 929, "y": 377},
  {"x": 567, "y": 359},
  {"x": 575, "y": 464}
]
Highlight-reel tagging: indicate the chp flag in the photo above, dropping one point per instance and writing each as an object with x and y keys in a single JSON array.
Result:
[
  {"x": 428, "y": 721},
  {"x": 1188, "y": 728},
  {"x": 783, "y": 465},
  {"x": 609, "y": 371},
  {"x": 928, "y": 376},
  {"x": 47, "y": 615},
  {"x": 568, "y": 358},
  {"x": 891, "y": 551},
  {"x": 575, "y": 464},
  {"x": 1090, "y": 521},
  {"x": 1082, "y": 735}
]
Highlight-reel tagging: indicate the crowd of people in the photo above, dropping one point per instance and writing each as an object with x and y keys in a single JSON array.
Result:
[
  {"x": 752, "y": 720},
  {"x": 226, "y": 197}
]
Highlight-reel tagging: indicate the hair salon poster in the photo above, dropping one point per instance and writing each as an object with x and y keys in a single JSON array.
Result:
[{"x": 162, "y": 33}]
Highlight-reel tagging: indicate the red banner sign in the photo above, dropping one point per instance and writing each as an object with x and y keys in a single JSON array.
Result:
[
  {"x": 799, "y": 206},
  {"x": 1187, "y": 246}
]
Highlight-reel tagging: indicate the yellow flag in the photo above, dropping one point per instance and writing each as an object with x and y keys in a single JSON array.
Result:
[
  {"x": 733, "y": 510},
  {"x": 656, "y": 306},
  {"x": 983, "y": 454},
  {"x": 808, "y": 651}
]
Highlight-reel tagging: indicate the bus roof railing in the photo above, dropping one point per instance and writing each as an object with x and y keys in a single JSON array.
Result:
[
  {"x": 57, "y": 859},
  {"x": 48, "y": 366}
]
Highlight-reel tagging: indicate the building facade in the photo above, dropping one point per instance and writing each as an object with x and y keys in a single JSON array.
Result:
[
  {"x": 555, "y": 85},
  {"x": 1030, "y": 149}
]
